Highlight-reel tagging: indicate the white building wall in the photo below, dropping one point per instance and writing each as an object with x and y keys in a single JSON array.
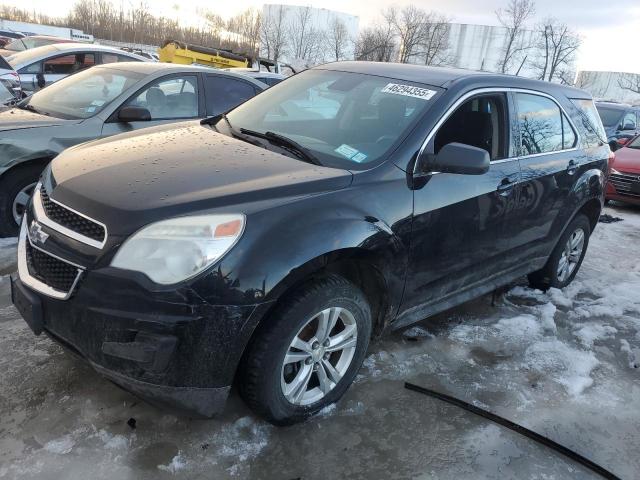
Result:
[
  {"x": 605, "y": 86},
  {"x": 36, "y": 29}
]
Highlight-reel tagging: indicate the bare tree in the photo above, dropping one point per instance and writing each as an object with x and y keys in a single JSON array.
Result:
[
  {"x": 409, "y": 26},
  {"x": 273, "y": 32},
  {"x": 376, "y": 44},
  {"x": 630, "y": 82},
  {"x": 305, "y": 40},
  {"x": 435, "y": 44},
  {"x": 558, "y": 46},
  {"x": 513, "y": 18},
  {"x": 337, "y": 38}
]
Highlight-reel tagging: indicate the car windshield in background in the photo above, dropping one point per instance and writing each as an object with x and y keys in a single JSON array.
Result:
[
  {"x": 635, "y": 143},
  {"x": 610, "y": 116},
  {"x": 347, "y": 120},
  {"x": 82, "y": 95}
]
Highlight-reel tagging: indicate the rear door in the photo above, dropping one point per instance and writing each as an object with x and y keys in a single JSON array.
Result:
[
  {"x": 463, "y": 224},
  {"x": 550, "y": 163},
  {"x": 169, "y": 99},
  {"x": 223, "y": 93}
]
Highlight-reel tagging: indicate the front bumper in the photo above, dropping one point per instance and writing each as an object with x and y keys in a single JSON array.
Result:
[
  {"x": 623, "y": 187},
  {"x": 173, "y": 350}
]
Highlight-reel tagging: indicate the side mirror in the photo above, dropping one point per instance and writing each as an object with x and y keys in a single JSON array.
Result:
[
  {"x": 457, "y": 158},
  {"x": 40, "y": 80},
  {"x": 134, "y": 114}
]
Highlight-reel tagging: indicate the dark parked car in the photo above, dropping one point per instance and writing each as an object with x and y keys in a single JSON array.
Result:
[
  {"x": 624, "y": 174},
  {"x": 42, "y": 66},
  {"x": 265, "y": 247},
  {"x": 98, "y": 102},
  {"x": 621, "y": 122}
]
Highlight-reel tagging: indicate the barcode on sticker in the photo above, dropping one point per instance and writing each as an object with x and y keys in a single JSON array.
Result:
[{"x": 408, "y": 91}]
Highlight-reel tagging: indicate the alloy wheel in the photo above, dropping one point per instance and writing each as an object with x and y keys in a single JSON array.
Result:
[
  {"x": 571, "y": 255},
  {"x": 319, "y": 356}
]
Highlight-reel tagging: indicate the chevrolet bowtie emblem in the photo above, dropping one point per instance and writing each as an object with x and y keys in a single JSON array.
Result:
[{"x": 36, "y": 234}]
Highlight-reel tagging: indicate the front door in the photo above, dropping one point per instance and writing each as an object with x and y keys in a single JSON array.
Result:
[
  {"x": 463, "y": 224},
  {"x": 168, "y": 99}
]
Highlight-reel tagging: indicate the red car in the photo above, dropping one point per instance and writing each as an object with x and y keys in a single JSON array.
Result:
[{"x": 624, "y": 174}]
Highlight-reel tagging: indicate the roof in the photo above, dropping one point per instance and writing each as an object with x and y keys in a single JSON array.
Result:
[
  {"x": 445, "y": 77},
  {"x": 152, "y": 68},
  {"x": 26, "y": 57}
]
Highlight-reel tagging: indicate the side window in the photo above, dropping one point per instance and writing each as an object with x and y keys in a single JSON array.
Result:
[
  {"x": 168, "y": 98},
  {"x": 33, "y": 68},
  {"x": 224, "y": 93},
  {"x": 480, "y": 122},
  {"x": 68, "y": 64},
  {"x": 543, "y": 126},
  {"x": 124, "y": 58},
  {"x": 629, "y": 121}
]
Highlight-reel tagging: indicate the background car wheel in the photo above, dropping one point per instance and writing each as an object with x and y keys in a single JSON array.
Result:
[
  {"x": 15, "y": 191},
  {"x": 566, "y": 258},
  {"x": 308, "y": 351}
]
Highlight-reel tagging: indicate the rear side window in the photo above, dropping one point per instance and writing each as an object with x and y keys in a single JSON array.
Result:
[
  {"x": 68, "y": 64},
  {"x": 543, "y": 126},
  {"x": 595, "y": 133},
  {"x": 224, "y": 93}
]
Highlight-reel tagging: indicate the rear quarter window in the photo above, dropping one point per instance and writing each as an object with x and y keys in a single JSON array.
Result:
[{"x": 594, "y": 130}]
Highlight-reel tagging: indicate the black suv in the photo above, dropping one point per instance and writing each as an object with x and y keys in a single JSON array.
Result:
[
  {"x": 265, "y": 247},
  {"x": 621, "y": 122}
]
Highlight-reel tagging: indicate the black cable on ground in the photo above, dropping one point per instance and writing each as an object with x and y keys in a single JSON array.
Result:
[{"x": 576, "y": 457}]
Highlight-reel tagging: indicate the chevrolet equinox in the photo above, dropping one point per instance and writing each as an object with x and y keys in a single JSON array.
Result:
[{"x": 265, "y": 247}]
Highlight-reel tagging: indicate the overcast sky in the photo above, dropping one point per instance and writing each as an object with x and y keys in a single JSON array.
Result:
[{"x": 610, "y": 29}]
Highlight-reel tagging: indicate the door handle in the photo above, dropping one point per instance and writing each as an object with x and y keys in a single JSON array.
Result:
[
  {"x": 506, "y": 187},
  {"x": 572, "y": 167}
]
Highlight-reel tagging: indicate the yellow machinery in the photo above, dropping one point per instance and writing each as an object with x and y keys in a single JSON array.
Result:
[{"x": 185, "y": 54}]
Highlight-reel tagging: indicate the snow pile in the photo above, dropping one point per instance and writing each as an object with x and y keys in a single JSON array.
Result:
[
  {"x": 591, "y": 332},
  {"x": 177, "y": 463},
  {"x": 417, "y": 332},
  {"x": 244, "y": 439},
  {"x": 568, "y": 366},
  {"x": 632, "y": 354},
  {"x": 60, "y": 446},
  {"x": 113, "y": 442}
]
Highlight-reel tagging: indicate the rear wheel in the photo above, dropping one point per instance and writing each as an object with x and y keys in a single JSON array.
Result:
[
  {"x": 308, "y": 353},
  {"x": 566, "y": 258},
  {"x": 16, "y": 189}
]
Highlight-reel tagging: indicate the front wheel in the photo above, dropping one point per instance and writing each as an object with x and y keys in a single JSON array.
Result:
[
  {"x": 566, "y": 258},
  {"x": 308, "y": 352},
  {"x": 16, "y": 189}
]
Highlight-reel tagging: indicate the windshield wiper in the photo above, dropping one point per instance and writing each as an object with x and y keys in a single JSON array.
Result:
[
  {"x": 215, "y": 119},
  {"x": 285, "y": 143},
  {"x": 31, "y": 108}
]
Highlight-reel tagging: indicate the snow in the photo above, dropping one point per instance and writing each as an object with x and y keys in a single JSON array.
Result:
[
  {"x": 177, "y": 463},
  {"x": 61, "y": 446},
  {"x": 588, "y": 334}
]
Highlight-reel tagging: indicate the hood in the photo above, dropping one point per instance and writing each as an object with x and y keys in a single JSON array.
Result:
[
  {"x": 17, "y": 118},
  {"x": 131, "y": 180},
  {"x": 627, "y": 160},
  {"x": 5, "y": 53}
]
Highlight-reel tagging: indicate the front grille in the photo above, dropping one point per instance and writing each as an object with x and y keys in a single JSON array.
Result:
[
  {"x": 49, "y": 270},
  {"x": 71, "y": 220},
  {"x": 625, "y": 182}
]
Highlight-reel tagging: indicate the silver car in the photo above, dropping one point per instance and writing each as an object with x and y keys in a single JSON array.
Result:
[
  {"x": 98, "y": 102},
  {"x": 42, "y": 66}
]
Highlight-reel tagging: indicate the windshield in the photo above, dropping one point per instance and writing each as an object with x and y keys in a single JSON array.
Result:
[
  {"x": 343, "y": 119},
  {"x": 635, "y": 143},
  {"x": 610, "y": 116},
  {"x": 82, "y": 95},
  {"x": 27, "y": 43}
]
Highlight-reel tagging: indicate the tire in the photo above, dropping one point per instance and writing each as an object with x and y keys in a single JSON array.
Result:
[
  {"x": 263, "y": 375},
  {"x": 11, "y": 185},
  {"x": 551, "y": 275}
]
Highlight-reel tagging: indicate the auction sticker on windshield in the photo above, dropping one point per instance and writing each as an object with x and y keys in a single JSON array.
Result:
[{"x": 408, "y": 91}]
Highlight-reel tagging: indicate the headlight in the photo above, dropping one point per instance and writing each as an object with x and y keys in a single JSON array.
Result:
[{"x": 174, "y": 250}]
